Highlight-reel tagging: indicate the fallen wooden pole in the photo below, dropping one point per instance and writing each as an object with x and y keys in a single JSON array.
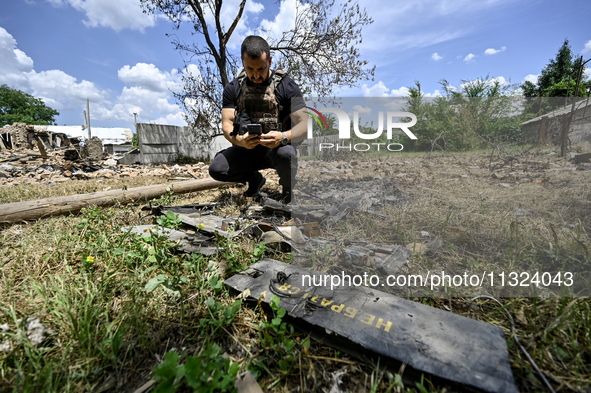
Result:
[{"x": 11, "y": 213}]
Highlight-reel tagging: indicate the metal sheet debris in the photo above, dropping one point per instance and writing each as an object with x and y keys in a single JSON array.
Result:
[
  {"x": 198, "y": 217},
  {"x": 305, "y": 212},
  {"x": 430, "y": 340},
  {"x": 285, "y": 239},
  {"x": 189, "y": 243}
]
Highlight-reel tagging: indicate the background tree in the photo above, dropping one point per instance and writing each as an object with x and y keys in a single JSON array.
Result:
[
  {"x": 319, "y": 51},
  {"x": 422, "y": 108},
  {"x": 17, "y": 106},
  {"x": 135, "y": 141},
  {"x": 474, "y": 114},
  {"x": 561, "y": 89},
  {"x": 554, "y": 82},
  {"x": 556, "y": 71},
  {"x": 486, "y": 111},
  {"x": 415, "y": 101}
]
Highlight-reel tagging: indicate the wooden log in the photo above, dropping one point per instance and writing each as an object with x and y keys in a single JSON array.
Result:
[{"x": 11, "y": 213}]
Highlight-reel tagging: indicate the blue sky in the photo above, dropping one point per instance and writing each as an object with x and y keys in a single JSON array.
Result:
[{"x": 65, "y": 51}]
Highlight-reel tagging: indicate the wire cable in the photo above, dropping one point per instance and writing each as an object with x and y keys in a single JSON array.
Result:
[{"x": 517, "y": 340}]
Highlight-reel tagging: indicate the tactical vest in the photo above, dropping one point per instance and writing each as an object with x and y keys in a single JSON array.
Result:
[{"x": 261, "y": 103}]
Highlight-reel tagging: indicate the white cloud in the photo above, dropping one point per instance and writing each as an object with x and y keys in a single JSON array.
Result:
[
  {"x": 421, "y": 23},
  {"x": 56, "y": 3},
  {"x": 150, "y": 77},
  {"x": 587, "y": 48},
  {"x": 373, "y": 37},
  {"x": 362, "y": 110},
  {"x": 587, "y": 73},
  {"x": 469, "y": 58},
  {"x": 56, "y": 88},
  {"x": 377, "y": 90},
  {"x": 62, "y": 91},
  {"x": 531, "y": 78},
  {"x": 175, "y": 119},
  {"x": 502, "y": 81},
  {"x": 230, "y": 11},
  {"x": 491, "y": 51},
  {"x": 24, "y": 62},
  {"x": 146, "y": 103},
  {"x": 436, "y": 57},
  {"x": 284, "y": 20},
  {"x": 402, "y": 92},
  {"x": 380, "y": 90},
  {"x": 148, "y": 95},
  {"x": 436, "y": 93},
  {"x": 13, "y": 62},
  {"x": 116, "y": 14}
]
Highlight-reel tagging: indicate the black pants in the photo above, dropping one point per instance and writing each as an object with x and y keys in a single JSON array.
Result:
[{"x": 238, "y": 164}]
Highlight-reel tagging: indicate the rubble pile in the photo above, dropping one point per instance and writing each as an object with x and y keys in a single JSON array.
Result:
[
  {"x": 22, "y": 136},
  {"x": 33, "y": 170},
  {"x": 30, "y": 156}
]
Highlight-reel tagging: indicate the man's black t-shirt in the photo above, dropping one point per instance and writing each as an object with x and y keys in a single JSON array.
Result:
[{"x": 288, "y": 94}]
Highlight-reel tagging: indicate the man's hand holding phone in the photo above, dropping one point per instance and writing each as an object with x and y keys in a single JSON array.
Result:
[{"x": 250, "y": 139}]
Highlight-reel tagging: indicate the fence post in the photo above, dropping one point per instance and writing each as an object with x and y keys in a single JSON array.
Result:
[{"x": 543, "y": 130}]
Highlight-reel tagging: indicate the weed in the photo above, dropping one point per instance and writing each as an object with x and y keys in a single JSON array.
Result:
[
  {"x": 207, "y": 372},
  {"x": 169, "y": 220},
  {"x": 218, "y": 314},
  {"x": 279, "y": 348},
  {"x": 258, "y": 252},
  {"x": 236, "y": 255},
  {"x": 167, "y": 199}
]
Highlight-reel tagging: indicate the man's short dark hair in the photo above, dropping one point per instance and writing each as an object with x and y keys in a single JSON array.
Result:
[{"x": 254, "y": 46}]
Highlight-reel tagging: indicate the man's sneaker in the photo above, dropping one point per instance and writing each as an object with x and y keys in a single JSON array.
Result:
[{"x": 254, "y": 186}]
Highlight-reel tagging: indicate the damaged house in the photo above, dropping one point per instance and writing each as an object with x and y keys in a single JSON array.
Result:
[{"x": 50, "y": 138}]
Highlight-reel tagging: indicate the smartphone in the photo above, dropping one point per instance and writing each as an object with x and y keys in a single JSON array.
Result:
[{"x": 254, "y": 129}]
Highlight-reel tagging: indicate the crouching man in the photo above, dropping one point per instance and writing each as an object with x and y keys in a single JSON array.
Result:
[{"x": 259, "y": 108}]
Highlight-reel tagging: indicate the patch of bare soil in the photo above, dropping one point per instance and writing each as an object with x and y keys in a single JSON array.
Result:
[{"x": 467, "y": 214}]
